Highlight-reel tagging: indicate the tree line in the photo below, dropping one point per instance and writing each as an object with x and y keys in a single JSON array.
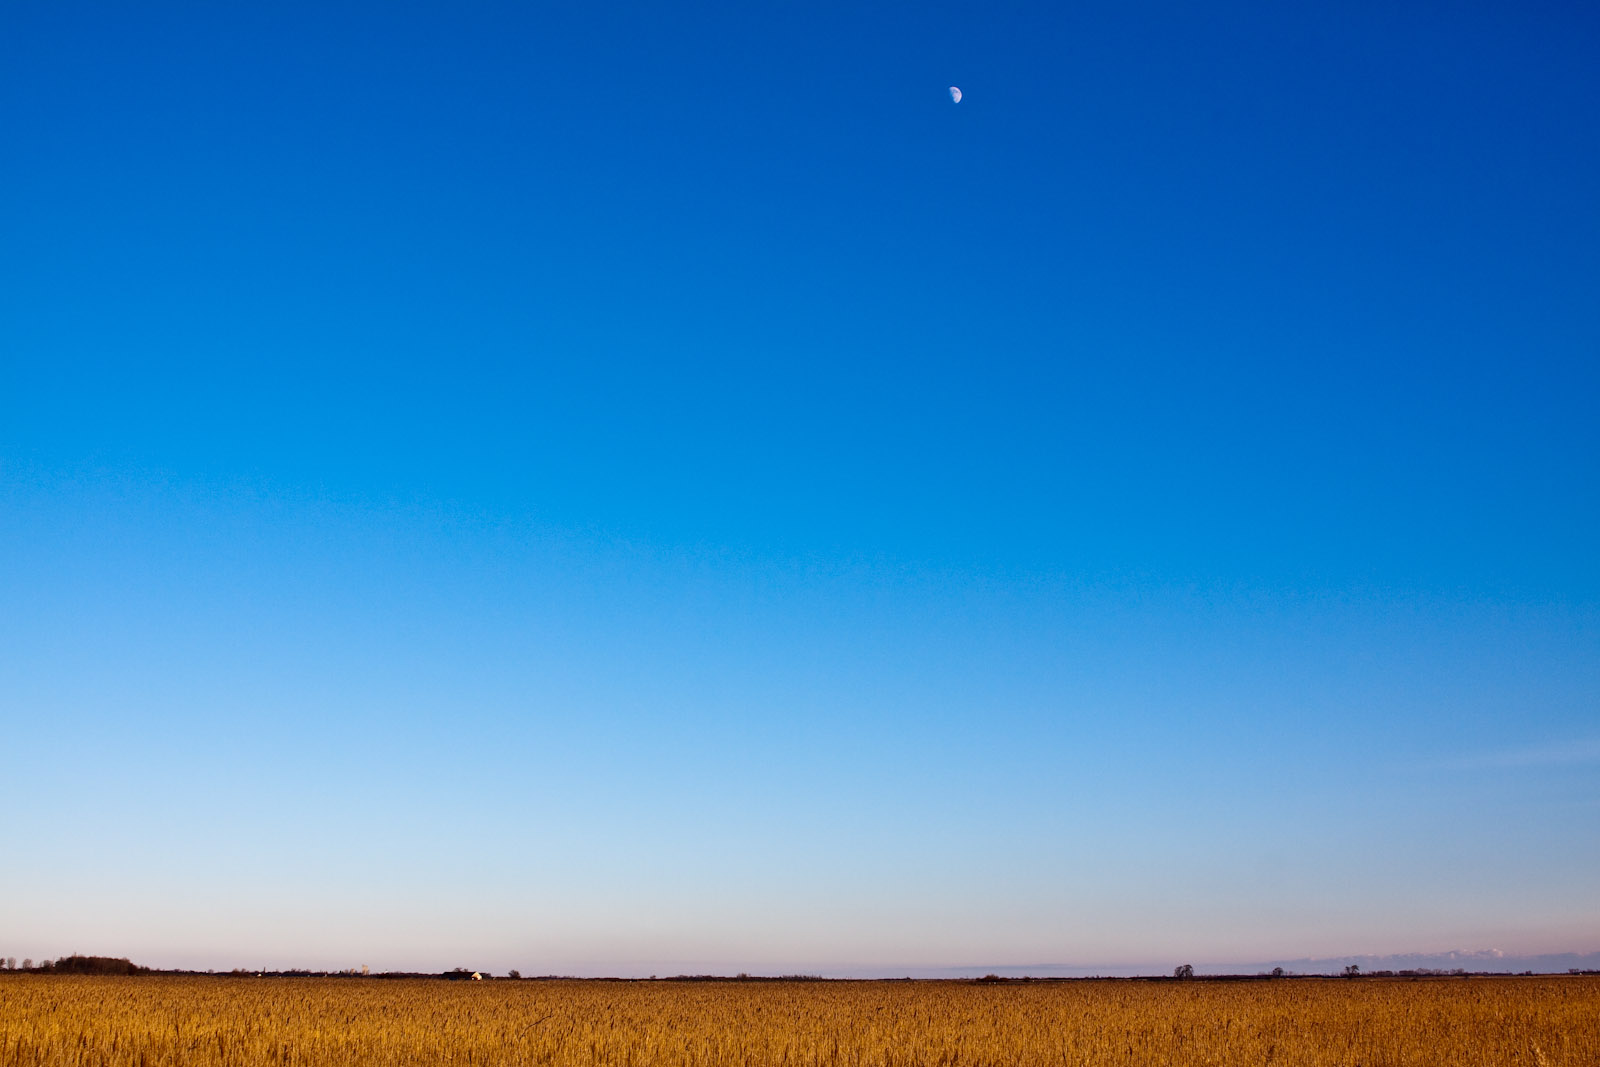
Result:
[{"x": 77, "y": 965}]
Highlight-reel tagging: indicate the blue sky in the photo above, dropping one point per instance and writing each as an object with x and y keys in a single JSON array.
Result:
[{"x": 663, "y": 488}]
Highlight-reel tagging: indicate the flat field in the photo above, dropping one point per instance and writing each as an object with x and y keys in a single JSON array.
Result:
[{"x": 204, "y": 1021}]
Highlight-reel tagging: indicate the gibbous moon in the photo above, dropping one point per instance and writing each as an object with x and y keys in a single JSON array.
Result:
[{"x": 955, "y": 94}]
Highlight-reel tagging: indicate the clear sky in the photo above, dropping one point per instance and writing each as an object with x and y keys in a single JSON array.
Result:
[{"x": 635, "y": 489}]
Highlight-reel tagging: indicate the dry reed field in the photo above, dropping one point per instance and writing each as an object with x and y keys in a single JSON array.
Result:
[{"x": 213, "y": 1022}]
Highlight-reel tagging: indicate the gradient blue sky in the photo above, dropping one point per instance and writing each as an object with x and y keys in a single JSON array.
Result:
[{"x": 633, "y": 489}]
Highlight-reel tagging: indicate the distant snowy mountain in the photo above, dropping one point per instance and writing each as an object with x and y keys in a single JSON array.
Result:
[{"x": 1481, "y": 960}]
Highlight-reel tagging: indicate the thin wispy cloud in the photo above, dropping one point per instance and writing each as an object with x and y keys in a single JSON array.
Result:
[{"x": 1546, "y": 754}]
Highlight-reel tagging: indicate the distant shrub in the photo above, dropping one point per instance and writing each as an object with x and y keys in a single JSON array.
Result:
[{"x": 94, "y": 965}]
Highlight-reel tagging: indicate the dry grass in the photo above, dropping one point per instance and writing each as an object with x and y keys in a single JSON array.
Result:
[{"x": 215, "y": 1022}]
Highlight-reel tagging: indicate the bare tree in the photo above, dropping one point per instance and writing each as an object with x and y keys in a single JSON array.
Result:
[{"x": 1183, "y": 971}]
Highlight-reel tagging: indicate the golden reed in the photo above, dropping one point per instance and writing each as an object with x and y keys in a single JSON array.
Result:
[{"x": 248, "y": 1022}]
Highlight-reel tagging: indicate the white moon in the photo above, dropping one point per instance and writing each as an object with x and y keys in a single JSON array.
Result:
[{"x": 955, "y": 94}]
